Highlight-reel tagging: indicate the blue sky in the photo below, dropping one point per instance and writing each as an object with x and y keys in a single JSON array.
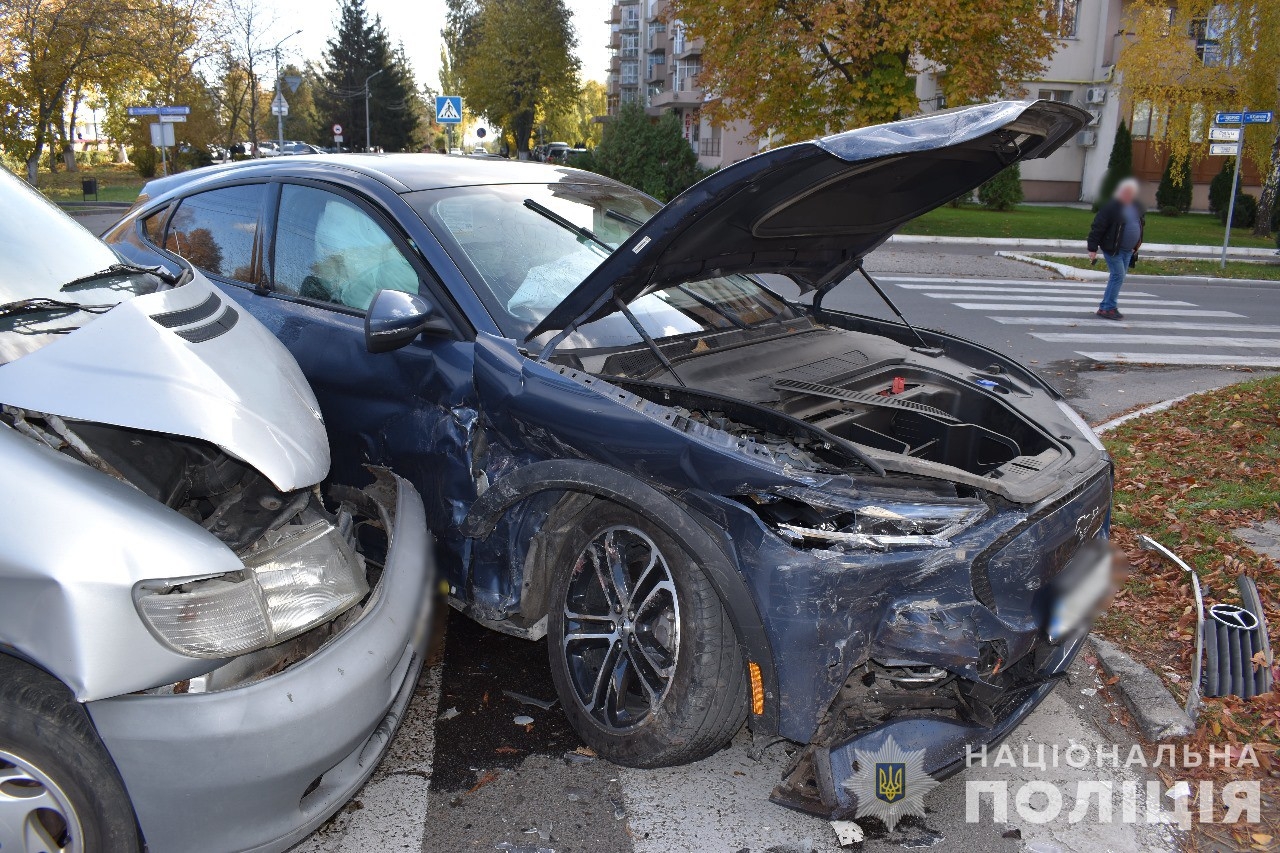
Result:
[{"x": 417, "y": 24}]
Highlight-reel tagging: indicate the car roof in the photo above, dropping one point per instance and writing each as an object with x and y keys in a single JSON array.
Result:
[{"x": 401, "y": 172}]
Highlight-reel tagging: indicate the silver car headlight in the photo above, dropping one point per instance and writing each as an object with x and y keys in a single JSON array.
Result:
[
  {"x": 807, "y": 517},
  {"x": 284, "y": 590}
]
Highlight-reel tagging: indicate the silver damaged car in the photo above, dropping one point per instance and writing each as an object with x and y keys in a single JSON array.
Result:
[{"x": 200, "y": 647}]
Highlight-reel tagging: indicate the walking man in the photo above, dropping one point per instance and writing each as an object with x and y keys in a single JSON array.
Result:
[{"x": 1117, "y": 231}]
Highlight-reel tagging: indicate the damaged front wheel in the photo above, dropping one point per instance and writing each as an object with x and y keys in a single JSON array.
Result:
[{"x": 642, "y": 651}]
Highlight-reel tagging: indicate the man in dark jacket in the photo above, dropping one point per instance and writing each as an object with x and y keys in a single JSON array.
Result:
[{"x": 1117, "y": 231}]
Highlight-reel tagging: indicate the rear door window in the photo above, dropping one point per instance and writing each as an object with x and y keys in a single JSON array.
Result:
[{"x": 217, "y": 231}]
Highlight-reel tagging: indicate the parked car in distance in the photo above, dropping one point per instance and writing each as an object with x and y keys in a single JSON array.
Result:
[
  {"x": 715, "y": 499},
  {"x": 295, "y": 147},
  {"x": 201, "y": 649},
  {"x": 563, "y": 156}
]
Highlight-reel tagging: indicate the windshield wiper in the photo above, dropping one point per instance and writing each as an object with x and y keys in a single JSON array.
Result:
[
  {"x": 41, "y": 303},
  {"x": 584, "y": 233},
  {"x": 122, "y": 269},
  {"x": 622, "y": 217}
]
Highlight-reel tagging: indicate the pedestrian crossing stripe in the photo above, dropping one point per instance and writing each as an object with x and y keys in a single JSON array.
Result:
[
  {"x": 1155, "y": 326},
  {"x": 448, "y": 109}
]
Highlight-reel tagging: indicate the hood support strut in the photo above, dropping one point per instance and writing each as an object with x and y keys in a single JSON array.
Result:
[
  {"x": 648, "y": 339},
  {"x": 884, "y": 297}
]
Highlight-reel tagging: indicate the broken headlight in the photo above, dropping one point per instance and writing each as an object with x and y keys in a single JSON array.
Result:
[
  {"x": 284, "y": 590},
  {"x": 812, "y": 519}
]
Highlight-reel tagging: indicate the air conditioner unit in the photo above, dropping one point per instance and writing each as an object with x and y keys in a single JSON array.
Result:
[
  {"x": 1086, "y": 139},
  {"x": 1096, "y": 95},
  {"x": 1097, "y": 117}
]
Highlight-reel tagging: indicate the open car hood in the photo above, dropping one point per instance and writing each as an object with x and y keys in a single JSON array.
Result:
[{"x": 810, "y": 211}]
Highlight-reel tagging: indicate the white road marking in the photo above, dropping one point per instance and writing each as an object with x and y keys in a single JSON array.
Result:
[
  {"x": 1165, "y": 312},
  {"x": 1094, "y": 323},
  {"x": 1074, "y": 298},
  {"x": 1181, "y": 358},
  {"x": 1181, "y": 340},
  {"x": 1046, "y": 287},
  {"x": 1032, "y": 282},
  {"x": 961, "y": 292}
]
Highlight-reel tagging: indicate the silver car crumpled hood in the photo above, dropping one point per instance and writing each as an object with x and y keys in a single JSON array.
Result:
[{"x": 186, "y": 362}]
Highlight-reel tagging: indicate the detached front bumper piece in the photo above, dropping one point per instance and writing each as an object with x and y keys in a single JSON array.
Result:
[{"x": 259, "y": 766}]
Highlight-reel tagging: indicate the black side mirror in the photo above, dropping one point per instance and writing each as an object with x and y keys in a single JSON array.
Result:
[{"x": 396, "y": 318}]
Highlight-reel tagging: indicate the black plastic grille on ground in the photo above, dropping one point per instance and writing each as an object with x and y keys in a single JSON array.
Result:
[{"x": 1232, "y": 636}]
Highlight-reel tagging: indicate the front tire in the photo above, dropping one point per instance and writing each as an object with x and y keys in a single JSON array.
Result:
[
  {"x": 643, "y": 655},
  {"x": 59, "y": 790}
]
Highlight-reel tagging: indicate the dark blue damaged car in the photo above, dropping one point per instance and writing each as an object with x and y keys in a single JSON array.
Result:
[{"x": 716, "y": 503}]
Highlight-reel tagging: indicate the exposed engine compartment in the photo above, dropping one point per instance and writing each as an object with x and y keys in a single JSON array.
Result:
[
  {"x": 230, "y": 499},
  {"x": 863, "y": 391}
]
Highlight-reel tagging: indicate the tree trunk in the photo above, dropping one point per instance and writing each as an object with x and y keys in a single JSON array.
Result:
[
  {"x": 69, "y": 152},
  {"x": 522, "y": 128},
  {"x": 1270, "y": 185}
]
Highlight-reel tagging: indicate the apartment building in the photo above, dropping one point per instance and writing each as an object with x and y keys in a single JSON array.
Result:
[
  {"x": 1082, "y": 72},
  {"x": 654, "y": 63}
]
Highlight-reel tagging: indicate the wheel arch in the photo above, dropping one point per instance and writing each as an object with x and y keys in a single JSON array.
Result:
[{"x": 584, "y": 480}]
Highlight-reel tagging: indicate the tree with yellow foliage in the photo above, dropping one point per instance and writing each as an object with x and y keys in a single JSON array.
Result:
[
  {"x": 803, "y": 68},
  {"x": 1190, "y": 60}
]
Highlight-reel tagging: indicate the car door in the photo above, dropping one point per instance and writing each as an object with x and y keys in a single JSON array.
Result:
[{"x": 306, "y": 259}]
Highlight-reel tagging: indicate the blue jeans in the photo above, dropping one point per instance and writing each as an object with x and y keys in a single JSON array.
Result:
[{"x": 1117, "y": 265}]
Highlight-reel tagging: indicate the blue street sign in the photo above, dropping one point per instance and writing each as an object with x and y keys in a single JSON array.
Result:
[
  {"x": 1229, "y": 118},
  {"x": 449, "y": 109},
  {"x": 159, "y": 111},
  {"x": 1262, "y": 117}
]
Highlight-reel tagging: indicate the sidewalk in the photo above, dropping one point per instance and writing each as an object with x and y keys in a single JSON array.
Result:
[{"x": 1172, "y": 250}]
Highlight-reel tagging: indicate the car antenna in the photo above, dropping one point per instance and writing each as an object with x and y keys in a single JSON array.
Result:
[
  {"x": 653, "y": 345},
  {"x": 894, "y": 308}
]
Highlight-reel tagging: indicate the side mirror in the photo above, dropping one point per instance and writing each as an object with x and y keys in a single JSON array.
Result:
[{"x": 396, "y": 318}]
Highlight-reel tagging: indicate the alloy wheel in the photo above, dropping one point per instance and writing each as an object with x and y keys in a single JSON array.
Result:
[
  {"x": 36, "y": 815},
  {"x": 621, "y": 628}
]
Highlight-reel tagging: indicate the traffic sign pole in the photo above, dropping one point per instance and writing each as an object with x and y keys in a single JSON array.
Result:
[
  {"x": 1235, "y": 188},
  {"x": 1244, "y": 118}
]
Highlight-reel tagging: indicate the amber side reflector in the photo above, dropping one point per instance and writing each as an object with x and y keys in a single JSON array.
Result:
[{"x": 757, "y": 688}]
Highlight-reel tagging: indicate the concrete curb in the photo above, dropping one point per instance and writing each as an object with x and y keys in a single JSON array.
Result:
[
  {"x": 1064, "y": 270},
  {"x": 1147, "y": 410},
  {"x": 1157, "y": 713},
  {"x": 1032, "y": 243}
]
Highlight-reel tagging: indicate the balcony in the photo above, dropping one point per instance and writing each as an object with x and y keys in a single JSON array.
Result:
[{"x": 671, "y": 99}]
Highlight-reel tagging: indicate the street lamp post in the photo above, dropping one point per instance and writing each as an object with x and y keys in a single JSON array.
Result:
[
  {"x": 366, "y": 108},
  {"x": 280, "y": 116}
]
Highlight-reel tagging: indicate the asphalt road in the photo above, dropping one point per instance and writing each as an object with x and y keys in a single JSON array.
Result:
[{"x": 465, "y": 776}]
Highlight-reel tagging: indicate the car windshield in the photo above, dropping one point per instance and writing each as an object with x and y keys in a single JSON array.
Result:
[
  {"x": 42, "y": 250},
  {"x": 525, "y": 247}
]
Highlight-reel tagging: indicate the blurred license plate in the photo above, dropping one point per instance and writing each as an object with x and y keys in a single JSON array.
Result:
[{"x": 1080, "y": 588}]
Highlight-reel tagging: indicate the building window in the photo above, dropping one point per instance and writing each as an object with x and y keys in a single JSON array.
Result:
[
  {"x": 1207, "y": 33},
  {"x": 1062, "y": 96},
  {"x": 630, "y": 73},
  {"x": 678, "y": 37},
  {"x": 630, "y": 17},
  {"x": 686, "y": 76},
  {"x": 1065, "y": 12},
  {"x": 656, "y": 30},
  {"x": 1148, "y": 121},
  {"x": 630, "y": 44}
]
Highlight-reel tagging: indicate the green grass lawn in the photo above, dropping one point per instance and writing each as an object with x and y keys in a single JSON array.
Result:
[
  {"x": 1069, "y": 223},
  {"x": 115, "y": 183},
  {"x": 1268, "y": 270}
]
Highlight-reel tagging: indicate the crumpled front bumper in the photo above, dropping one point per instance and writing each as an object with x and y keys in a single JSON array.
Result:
[
  {"x": 821, "y": 783},
  {"x": 258, "y": 767}
]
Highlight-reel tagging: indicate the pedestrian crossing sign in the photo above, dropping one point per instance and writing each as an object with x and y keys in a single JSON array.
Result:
[{"x": 449, "y": 109}]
